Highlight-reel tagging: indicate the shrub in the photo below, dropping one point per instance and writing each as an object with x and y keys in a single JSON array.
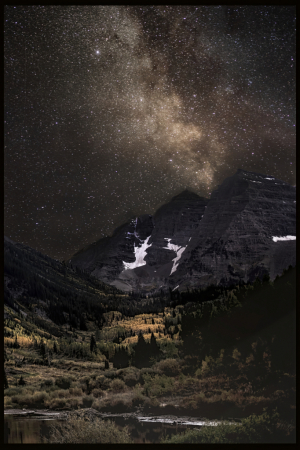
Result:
[
  {"x": 48, "y": 382},
  {"x": 158, "y": 385},
  {"x": 170, "y": 367},
  {"x": 198, "y": 373},
  {"x": 53, "y": 388},
  {"x": 254, "y": 429},
  {"x": 146, "y": 371},
  {"x": 98, "y": 404},
  {"x": 110, "y": 373},
  {"x": 13, "y": 391},
  {"x": 210, "y": 366},
  {"x": 61, "y": 393},
  {"x": 138, "y": 398},
  {"x": 117, "y": 385},
  {"x": 81, "y": 431},
  {"x": 63, "y": 382},
  {"x": 87, "y": 401},
  {"x": 101, "y": 382},
  {"x": 97, "y": 393},
  {"x": 7, "y": 403},
  {"x": 57, "y": 403},
  {"x": 236, "y": 354},
  {"x": 76, "y": 391},
  {"x": 130, "y": 376},
  {"x": 74, "y": 403},
  {"x": 37, "y": 399}
]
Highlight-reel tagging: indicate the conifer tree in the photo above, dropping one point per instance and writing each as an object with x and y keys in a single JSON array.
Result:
[
  {"x": 141, "y": 355},
  {"x": 154, "y": 349},
  {"x": 5, "y": 380},
  {"x": 42, "y": 349},
  {"x": 16, "y": 343},
  {"x": 82, "y": 325},
  {"x": 21, "y": 381},
  {"x": 93, "y": 344}
]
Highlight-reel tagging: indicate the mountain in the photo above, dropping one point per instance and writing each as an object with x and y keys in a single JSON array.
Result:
[
  {"x": 53, "y": 293},
  {"x": 246, "y": 229}
]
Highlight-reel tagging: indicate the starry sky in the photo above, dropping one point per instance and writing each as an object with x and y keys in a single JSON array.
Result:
[{"x": 110, "y": 111}]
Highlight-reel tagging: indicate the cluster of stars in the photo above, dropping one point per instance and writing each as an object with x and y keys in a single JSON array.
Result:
[{"x": 112, "y": 110}]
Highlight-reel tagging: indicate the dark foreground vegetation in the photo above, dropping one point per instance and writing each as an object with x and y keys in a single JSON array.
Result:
[{"x": 216, "y": 353}]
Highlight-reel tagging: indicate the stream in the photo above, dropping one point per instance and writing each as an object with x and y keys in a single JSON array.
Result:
[{"x": 24, "y": 427}]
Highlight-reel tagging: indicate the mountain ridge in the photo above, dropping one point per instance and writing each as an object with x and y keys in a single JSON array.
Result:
[{"x": 193, "y": 241}]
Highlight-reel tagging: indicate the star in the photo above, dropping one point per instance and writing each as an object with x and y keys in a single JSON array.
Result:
[{"x": 100, "y": 99}]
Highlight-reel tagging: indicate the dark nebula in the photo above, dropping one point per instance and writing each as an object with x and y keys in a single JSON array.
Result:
[{"x": 112, "y": 110}]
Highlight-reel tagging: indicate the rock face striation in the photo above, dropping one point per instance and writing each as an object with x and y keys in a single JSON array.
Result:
[{"x": 246, "y": 229}]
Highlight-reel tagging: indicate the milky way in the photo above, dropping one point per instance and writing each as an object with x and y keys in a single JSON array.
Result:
[{"x": 110, "y": 111}]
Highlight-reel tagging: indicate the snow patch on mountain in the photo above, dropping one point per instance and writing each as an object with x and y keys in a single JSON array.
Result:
[
  {"x": 283, "y": 238},
  {"x": 178, "y": 250},
  {"x": 176, "y": 260},
  {"x": 140, "y": 253}
]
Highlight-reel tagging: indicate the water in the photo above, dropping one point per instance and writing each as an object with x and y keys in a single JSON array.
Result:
[
  {"x": 21, "y": 430},
  {"x": 24, "y": 430}
]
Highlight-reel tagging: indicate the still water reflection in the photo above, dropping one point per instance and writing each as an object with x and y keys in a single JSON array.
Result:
[{"x": 19, "y": 430}]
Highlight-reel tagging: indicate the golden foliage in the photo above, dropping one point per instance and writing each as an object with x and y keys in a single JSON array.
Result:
[{"x": 22, "y": 340}]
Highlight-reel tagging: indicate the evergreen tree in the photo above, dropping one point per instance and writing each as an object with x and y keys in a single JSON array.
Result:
[
  {"x": 154, "y": 349},
  {"x": 93, "y": 344},
  {"x": 82, "y": 325},
  {"x": 5, "y": 380},
  {"x": 97, "y": 335},
  {"x": 42, "y": 349},
  {"x": 16, "y": 343},
  {"x": 141, "y": 352},
  {"x": 21, "y": 381}
]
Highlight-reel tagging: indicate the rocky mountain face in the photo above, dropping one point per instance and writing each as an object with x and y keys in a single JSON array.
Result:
[{"x": 246, "y": 229}]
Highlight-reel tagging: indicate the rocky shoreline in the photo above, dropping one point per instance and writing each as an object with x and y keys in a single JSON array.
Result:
[{"x": 91, "y": 414}]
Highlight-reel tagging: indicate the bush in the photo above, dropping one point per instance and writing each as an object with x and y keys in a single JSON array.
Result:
[
  {"x": 117, "y": 385},
  {"x": 63, "y": 382},
  {"x": 74, "y": 403},
  {"x": 110, "y": 373},
  {"x": 158, "y": 385},
  {"x": 138, "y": 398},
  {"x": 12, "y": 391},
  {"x": 254, "y": 429},
  {"x": 97, "y": 393},
  {"x": 87, "y": 431},
  {"x": 146, "y": 371},
  {"x": 101, "y": 382},
  {"x": 170, "y": 367},
  {"x": 130, "y": 376},
  {"x": 37, "y": 399},
  {"x": 76, "y": 391},
  {"x": 57, "y": 403},
  {"x": 87, "y": 401},
  {"x": 198, "y": 373},
  {"x": 61, "y": 393}
]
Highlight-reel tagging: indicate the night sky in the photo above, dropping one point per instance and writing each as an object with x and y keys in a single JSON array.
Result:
[{"x": 110, "y": 111}]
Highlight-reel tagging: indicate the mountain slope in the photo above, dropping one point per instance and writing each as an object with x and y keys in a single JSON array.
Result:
[{"x": 247, "y": 228}]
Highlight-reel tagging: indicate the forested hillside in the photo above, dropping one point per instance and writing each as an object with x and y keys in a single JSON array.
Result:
[{"x": 72, "y": 342}]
